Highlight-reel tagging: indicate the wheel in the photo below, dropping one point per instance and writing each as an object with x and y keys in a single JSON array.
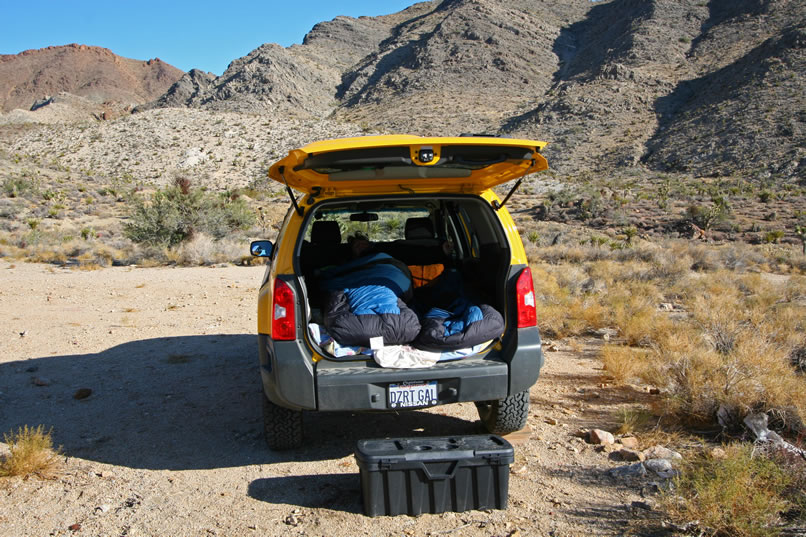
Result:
[
  {"x": 282, "y": 427},
  {"x": 506, "y": 415}
]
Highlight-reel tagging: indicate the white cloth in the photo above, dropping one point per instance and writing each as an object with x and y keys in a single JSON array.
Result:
[{"x": 405, "y": 357}]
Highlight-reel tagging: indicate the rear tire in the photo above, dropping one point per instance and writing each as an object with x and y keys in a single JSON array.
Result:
[
  {"x": 506, "y": 415},
  {"x": 282, "y": 427}
]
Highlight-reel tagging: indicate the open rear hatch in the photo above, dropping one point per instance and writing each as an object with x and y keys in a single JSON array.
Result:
[{"x": 403, "y": 163}]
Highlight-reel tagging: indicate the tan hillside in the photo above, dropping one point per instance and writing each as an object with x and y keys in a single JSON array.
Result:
[{"x": 92, "y": 72}]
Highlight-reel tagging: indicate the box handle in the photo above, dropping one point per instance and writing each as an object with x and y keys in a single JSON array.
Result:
[{"x": 434, "y": 477}]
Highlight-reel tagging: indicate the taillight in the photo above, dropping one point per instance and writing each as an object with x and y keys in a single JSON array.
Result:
[
  {"x": 283, "y": 320},
  {"x": 525, "y": 291}
]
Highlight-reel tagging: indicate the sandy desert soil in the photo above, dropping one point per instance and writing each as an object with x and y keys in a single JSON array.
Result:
[{"x": 169, "y": 441}]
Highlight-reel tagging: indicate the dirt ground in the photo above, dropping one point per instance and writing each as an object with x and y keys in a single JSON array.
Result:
[{"x": 169, "y": 440}]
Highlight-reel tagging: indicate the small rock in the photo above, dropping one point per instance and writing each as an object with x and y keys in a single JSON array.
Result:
[
  {"x": 518, "y": 470},
  {"x": 103, "y": 508},
  {"x": 581, "y": 433},
  {"x": 662, "y": 467},
  {"x": 666, "y": 306},
  {"x": 661, "y": 452},
  {"x": 41, "y": 381},
  {"x": 719, "y": 453},
  {"x": 627, "y": 454},
  {"x": 294, "y": 519},
  {"x": 552, "y": 348},
  {"x": 605, "y": 448},
  {"x": 633, "y": 470},
  {"x": 74, "y": 527},
  {"x": 653, "y": 391},
  {"x": 551, "y": 421},
  {"x": 630, "y": 442},
  {"x": 647, "y": 506},
  {"x": 598, "y": 436},
  {"x": 82, "y": 393}
]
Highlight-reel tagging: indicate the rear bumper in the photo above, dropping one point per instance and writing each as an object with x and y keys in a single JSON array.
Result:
[
  {"x": 364, "y": 386},
  {"x": 292, "y": 380}
]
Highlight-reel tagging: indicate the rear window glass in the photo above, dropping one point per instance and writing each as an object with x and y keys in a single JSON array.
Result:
[{"x": 378, "y": 225}]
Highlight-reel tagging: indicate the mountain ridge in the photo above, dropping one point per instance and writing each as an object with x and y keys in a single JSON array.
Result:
[
  {"x": 95, "y": 73},
  {"x": 708, "y": 88}
]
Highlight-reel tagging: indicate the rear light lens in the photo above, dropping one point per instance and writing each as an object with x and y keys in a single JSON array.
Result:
[
  {"x": 525, "y": 290},
  {"x": 283, "y": 319}
]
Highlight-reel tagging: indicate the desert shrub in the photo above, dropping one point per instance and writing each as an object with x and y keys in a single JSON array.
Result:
[
  {"x": 15, "y": 187},
  {"x": 740, "y": 495},
  {"x": 633, "y": 419},
  {"x": 30, "y": 453},
  {"x": 733, "y": 352},
  {"x": 562, "y": 309},
  {"x": 707, "y": 216},
  {"x": 175, "y": 214},
  {"x": 204, "y": 250},
  {"x": 623, "y": 363},
  {"x": 772, "y": 237}
]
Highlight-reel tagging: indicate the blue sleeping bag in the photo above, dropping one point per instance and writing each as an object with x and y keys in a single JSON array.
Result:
[{"x": 366, "y": 300}]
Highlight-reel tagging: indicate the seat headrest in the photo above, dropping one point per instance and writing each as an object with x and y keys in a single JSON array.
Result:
[
  {"x": 325, "y": 232},
  {"x": 419, "y": 228}
]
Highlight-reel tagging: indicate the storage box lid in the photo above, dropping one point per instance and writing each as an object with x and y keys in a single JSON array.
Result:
[{"x": 481, "y": 449}]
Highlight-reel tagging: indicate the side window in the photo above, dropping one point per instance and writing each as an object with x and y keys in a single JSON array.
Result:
[
  {"x": 278, "y": 241},
  {"x": 468, "y": 233}
]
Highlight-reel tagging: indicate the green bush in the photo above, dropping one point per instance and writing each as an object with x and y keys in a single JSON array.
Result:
[
  {"x": 175, "y": 214},
  {"x": 14, "y": 187}
]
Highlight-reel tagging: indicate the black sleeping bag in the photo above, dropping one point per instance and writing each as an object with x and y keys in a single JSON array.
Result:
[
  {"x": 351, "y": 329},
  {"x": 461, "y": 326}
]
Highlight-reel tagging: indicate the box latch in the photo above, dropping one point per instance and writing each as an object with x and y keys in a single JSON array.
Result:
[{"x": 385, "y": 464}]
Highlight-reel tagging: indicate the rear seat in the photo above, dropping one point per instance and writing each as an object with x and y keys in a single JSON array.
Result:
[
  {"x": 421, "y": 251},
  {"x": 324, "y": 249}
]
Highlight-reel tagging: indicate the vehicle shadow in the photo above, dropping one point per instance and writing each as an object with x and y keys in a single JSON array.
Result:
[{"x": 178, "y": 403}]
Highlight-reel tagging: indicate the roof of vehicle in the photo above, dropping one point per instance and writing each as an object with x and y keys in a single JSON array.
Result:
[{"x": 406, "y": 163}]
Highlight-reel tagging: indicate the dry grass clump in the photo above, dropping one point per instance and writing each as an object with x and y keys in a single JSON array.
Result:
[
  {"x": 205, "y": 250},
  {"x": 732, "y": 352},
  {"x": 673, "y": 257},
  {"x": 624, "y": 364},
  {"x": 566, "y": 310},
  {"x": 31, "y": 452},
  {"x": 740, "y": 495},
  {"x": 736, "y": 349},
  {"x": 633, "y": 420}
]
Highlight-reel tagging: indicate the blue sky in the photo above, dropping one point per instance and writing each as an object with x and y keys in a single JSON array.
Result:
[{"x": 203, "y": 34}]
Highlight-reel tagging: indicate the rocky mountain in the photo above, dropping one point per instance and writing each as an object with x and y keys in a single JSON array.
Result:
[
  {"x": 707, "y": 87},
  {"x": 94, "y": 73},
  {"x": 300, "y": 80},
  {"x": 682, "y": 85}
]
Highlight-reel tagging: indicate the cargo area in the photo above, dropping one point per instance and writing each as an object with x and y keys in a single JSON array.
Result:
[{"x": 452, "y": 247}]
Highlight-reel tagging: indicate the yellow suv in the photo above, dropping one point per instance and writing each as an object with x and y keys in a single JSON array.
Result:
[{"x": 398, "y": 280}]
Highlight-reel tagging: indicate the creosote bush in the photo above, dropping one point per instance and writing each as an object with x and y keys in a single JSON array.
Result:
[
  {"x": 30, "y": 453},
  {"x": 175, "y": 214}
]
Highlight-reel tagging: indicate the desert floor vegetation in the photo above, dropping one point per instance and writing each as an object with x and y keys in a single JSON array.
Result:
[
  {"x": 694, "y": 287},
  {"x": 30, "y": 452},
  {"x": 718, "y": 333}
]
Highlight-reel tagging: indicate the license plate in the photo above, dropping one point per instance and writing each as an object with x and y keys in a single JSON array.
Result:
[{"x": 413, "y": 394}]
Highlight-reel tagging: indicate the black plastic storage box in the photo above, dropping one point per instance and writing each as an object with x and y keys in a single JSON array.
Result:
[{"x": 433, "y": 475}]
